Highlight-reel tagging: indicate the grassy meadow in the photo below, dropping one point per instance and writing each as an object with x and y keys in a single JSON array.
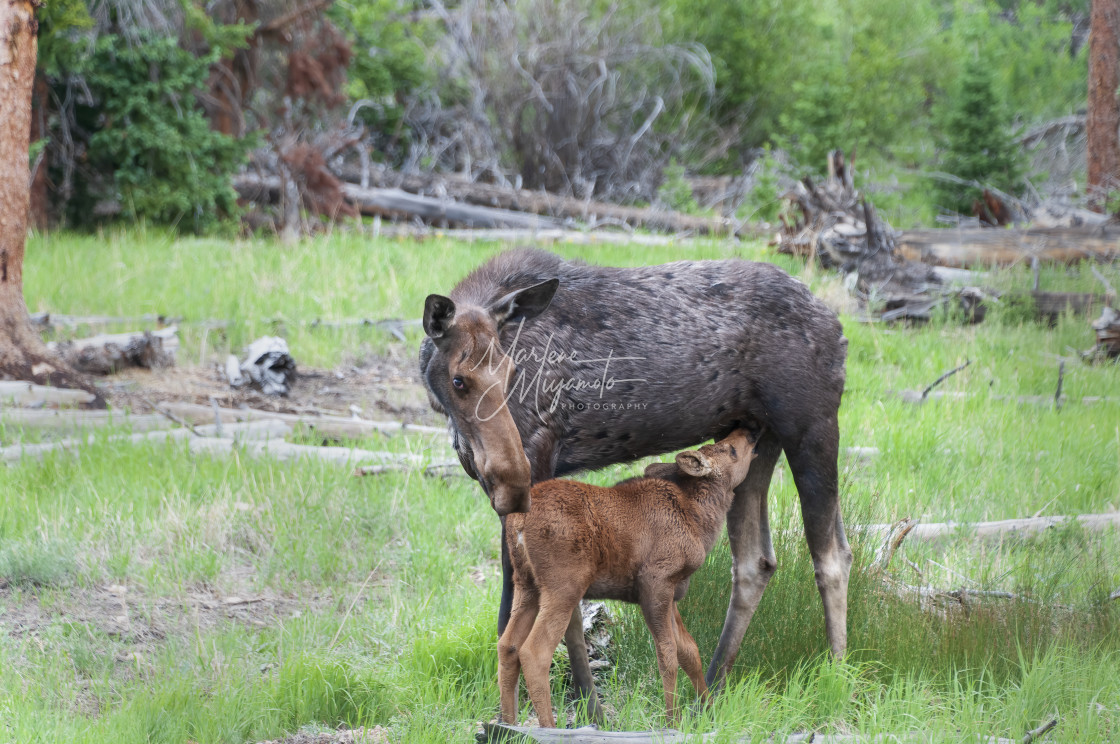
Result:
[{"x": 372, "y": 601}]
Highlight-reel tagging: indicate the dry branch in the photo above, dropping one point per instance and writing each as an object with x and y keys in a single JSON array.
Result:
[{"x": 942, "y": 378}]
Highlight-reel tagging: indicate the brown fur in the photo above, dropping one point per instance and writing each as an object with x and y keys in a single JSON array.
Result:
[{"x": 638, "y": 542}]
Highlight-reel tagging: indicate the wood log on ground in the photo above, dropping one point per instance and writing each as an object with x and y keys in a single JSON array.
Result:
[
  {"x": 70, "y": 421},
  {"x": 500, "y": 733},
  {"x": 933, "y": 531},
  {"x": 439, "y": 193},
  {"x": 16, "y": 392},
  {"x": 964, "y": 248},
  {"x": 338, "y": 427},
  {"x": 553, "y": 205},
  {"x": 559, "y": 235},
  {"x": 108, "y": 353},
  {"x": 252, "y": 439},
  {"x": 1052, "y": 305},
  {"x": 399, "y": 204},
  {"x": 45, "y": 321}
]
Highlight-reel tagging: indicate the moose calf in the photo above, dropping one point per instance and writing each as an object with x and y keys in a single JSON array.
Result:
[{"x": 638, "y": 541}]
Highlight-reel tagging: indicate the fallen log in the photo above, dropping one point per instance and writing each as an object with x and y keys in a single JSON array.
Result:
[
  {"x": 552, "y": 210},
  {"x": 74, "y": 421},
  {"x": 338, "y": 427},
  {"x": 237, "y": 433},
  {"x": 46, "y": 320},
  {"x": 108, "y": 353},
  {"x": 501, "y": 733},
  {"x": 401, "y": 204},
  {"x": 449, "y": 469},
  {"x": 559, "y": 235},
  {"x": 963, "y": 248},
  {"x": 20, "y": 393},
  {"x": 1052, "y": 305},
  {"x": 933, "y": 531}
]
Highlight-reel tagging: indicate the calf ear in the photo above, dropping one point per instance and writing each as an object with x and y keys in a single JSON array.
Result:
[
  {"x": 524, "y": 304},
  {"x": 694, "y": 463},
  {"x": 439, "y": 315}
]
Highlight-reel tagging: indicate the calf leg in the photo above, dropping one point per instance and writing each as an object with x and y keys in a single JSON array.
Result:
[
  {"x": 813, "y": 463},
  {"x": 658, "y": 612},
  {"x": 688, "y": 655},
  {"x": 582, "y": 680},
  {"x": 524, "y": 614},
  {"x": 752, "y": 556},
  {"x": 506, "y": 601},
  {"x": 537, "y": 650}
]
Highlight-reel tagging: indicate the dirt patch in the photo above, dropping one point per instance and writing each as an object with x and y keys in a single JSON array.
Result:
[
  {"x": 385, "y": 388},
  {"x": 129, "y": 615}
]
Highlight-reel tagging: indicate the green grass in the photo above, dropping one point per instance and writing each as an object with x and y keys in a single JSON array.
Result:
[{"x": 381, "y": 592}]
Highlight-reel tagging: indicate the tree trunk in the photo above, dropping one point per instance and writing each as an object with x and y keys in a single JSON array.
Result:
[
  {"x": 1103, "y": 121},
  {"x": 22, "y": 353}
]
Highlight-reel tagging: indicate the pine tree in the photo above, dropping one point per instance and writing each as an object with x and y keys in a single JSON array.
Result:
[{"x": 979, "y": 147}]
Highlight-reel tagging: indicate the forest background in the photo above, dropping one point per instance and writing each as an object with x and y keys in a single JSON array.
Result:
[{"x": 144, "y": 109}]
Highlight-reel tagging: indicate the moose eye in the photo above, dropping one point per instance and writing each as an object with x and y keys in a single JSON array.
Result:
[{"x": 457, "y": 381}]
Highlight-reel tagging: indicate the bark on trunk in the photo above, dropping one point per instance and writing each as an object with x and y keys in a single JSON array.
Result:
[
  {"x": 22, "y": 353},
  {"x": 1103, "y": 124}
]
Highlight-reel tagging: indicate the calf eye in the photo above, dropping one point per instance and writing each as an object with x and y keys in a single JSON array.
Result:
[
  {"x": 457, "y": 381},
  {"x": 733, "y": 452}
]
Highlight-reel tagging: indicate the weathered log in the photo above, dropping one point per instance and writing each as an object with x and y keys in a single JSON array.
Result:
[
  {"x": 108, "y": 353},
  {"x": 21, "y": 393},
  {"x": 74, "y": 421},
  {"x": 963, "y": 248},
  {"x": 46, "y": 320},
  {"x": 1052, "y": 305},
  {"x": 448, "y": 469},
  {"x": 254, "y": 431},
  {"x": 455, "y": 196},
  {"x": 500, "y": 733},
  {"x": 933, "y": 531},
  {"x": 337, "y": 427},
  {"x": 401, "y": 204}
]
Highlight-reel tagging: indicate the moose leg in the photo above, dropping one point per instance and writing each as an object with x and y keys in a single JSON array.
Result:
[
  {"x": 525, "y": 607},
  {"x": 688, "y": 655},
  {"x": 813, "y": 463},
  {"x": 506, "y": 602},
  {"x": 582, "y": 681},
  {"x": 537, "y": 650},
  {"x": 752, "y": 556}
]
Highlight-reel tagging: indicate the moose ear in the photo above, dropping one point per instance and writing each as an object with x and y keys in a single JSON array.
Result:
[
  {"x": 439, "y": 315},
  {"x": 694, "y": 463},
  {"x": 524, "y": 304}
]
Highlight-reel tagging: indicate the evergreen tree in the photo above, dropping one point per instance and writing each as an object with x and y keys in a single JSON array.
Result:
[{"x": 979, "y": 147}]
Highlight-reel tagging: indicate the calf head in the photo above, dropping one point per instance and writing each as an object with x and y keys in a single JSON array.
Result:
[
  {"x": 726, "y": 461},
  {"x": 470, "y": 376}
]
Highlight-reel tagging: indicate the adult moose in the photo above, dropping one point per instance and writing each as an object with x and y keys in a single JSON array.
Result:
[{"x": 546, "y": 367}]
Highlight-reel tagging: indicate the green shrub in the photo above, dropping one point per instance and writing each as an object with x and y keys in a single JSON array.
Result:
[{"x": 151, "y": 149}]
